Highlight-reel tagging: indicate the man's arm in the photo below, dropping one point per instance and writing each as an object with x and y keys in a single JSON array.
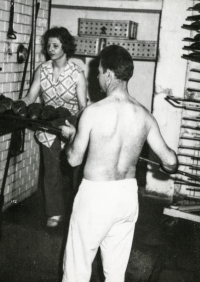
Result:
[
  {"x": 78, "y": 141},
  {"x": 156, "y": 142}
]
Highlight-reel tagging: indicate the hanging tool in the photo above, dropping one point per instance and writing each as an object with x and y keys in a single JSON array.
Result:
[
  {"x": 11, "y": 33},
  {"x": 27, "y": 56},
  {"x": 34, "y": 18}
]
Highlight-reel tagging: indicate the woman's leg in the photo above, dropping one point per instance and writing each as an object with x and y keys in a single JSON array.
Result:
[{"x": 56, "y": 181}]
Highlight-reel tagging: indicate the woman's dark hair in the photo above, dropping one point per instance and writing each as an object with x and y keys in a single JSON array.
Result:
[
  {"x": 118, "y": 60},
  {"x": 67, "y": 40}
]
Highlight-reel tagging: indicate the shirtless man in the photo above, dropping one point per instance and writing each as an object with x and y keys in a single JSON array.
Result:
[{"x": 112, "y": 132}]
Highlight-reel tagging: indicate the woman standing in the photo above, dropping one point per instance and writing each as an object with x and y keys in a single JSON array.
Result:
[{"x": 61, "y": 83}]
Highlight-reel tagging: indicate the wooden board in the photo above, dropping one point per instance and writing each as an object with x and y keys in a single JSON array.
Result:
[{"x": 180, "y": 214}]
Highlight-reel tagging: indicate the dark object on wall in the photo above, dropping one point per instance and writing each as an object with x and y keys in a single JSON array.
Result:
[
  {"x": 194, "y": 8},
  {"x": 28, "y": 54},
  {"x": 193, "y": 90},
  {"x": 194, "y": 80},
  {"x": 19, "y": 108},
  {"x": 195, "y": 70},
  {"x": 194, "y": 26},
  {"x": 33, "y": 47},
  {"x": 48, "y": 113},
  {"x": 195, "y": 57},
  {"x": 195, "y": 39},
  {"x": 34, "y": 110},
  {"x": 138, "y": 49},
  {"x": 5, "y": 104},
  {"x": 11, "y": 33},
  {"x": 21, "y": 54},
  {"x": 107, "y": 28},
  {"x": 193, "y": 18},
  {"x": 182, "y": 103},
  {"x": 194, "y": 47}
]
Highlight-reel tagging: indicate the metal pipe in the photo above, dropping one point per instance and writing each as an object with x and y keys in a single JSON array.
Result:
[
  {"x": 192, "y": 118},
  {"x": 190, "y": 138},
  {"x": 32, "y": 64},
  {"x": 189, "y": 147},
  {"x": 190, "y": 127},
  {"x": 189, "y": 156}
]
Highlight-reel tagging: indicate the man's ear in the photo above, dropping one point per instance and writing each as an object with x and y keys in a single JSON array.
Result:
[{"x": 109, "y": 74}]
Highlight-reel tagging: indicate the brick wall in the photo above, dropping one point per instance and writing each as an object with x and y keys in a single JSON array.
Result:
[{"x": 22, "y": 178}]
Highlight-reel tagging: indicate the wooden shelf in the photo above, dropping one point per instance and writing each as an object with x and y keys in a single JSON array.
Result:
[{"x": 127, "y": 6}]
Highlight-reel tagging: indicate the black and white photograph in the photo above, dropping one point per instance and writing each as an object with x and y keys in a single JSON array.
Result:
[{"x": 100, "y": 141}]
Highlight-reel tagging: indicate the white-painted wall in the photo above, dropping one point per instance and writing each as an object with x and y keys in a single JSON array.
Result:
[
  {"x": 141, "y": 84},
  {"x": 170, "y": 79}
]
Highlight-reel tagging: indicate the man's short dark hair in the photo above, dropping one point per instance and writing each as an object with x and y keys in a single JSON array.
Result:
[
  {"x": 118, "y": 60},
  {"x": 67, "y": 40}
]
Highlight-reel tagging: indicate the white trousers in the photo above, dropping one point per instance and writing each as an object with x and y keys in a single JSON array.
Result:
[{"x": 104, "y": 215}]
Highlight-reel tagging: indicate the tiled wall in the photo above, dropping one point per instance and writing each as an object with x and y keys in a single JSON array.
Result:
[{"x": 23, "y": 171}]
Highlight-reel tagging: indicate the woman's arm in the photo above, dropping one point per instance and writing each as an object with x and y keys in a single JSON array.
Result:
[
  {"x": 34, "y": 90},
  {"x": 82, "y": 91}
]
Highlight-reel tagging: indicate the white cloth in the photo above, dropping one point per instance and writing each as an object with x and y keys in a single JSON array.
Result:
[{"x": 104, "y": 214}]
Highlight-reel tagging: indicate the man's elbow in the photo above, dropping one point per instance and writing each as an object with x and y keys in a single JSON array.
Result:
[
  {"x": 172, "y": 165},
  {"x": 73, "y": 161}
]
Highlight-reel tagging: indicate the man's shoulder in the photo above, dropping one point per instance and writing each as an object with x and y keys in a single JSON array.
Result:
[
  {"x": 139, "y": 108},
  {"x": 92, "y": 111}
]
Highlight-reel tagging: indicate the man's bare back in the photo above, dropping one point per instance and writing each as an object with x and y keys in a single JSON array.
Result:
[
  {"x": 120, "y": 126},
  {"x": 112, "y": 132}
]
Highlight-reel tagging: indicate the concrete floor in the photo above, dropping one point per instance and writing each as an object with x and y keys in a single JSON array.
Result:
[{"x": 164, "y": 249}]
